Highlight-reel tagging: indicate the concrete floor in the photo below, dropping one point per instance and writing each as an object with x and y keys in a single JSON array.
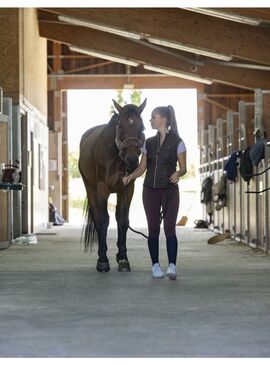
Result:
[{"x": 54, "y": 303}]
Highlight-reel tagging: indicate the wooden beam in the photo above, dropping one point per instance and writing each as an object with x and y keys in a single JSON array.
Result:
[
  {"x": 230, "y": 95},
  {"x": 57, "y": 62},
  {"x": 182, "y": 26},
  {"x": 219, "y": 105},
  {"x": 70, "y": 56},
  {"x": 261, "y": 14},
  {"x": 46, "y": 15},
  {"x": 89, "y": 67},
  {"x": 243, "y": 78},
  {"x": 119, "y": 46},
  {"x": 49, "y": 67},
  {"x": 118, "y": 82}
]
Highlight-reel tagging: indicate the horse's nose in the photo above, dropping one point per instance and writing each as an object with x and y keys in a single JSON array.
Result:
[{"x": 132, "y": 160}]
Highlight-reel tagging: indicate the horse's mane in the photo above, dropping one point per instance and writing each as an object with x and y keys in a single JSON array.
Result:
[{"x": 113, "y": 121}]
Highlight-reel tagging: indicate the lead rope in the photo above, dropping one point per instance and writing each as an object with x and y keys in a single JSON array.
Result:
[
  {"x": 132, "y": 229},
  {"x": 162, "y": 214}
]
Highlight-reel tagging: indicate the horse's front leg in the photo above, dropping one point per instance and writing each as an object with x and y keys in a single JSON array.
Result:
[
  {"x": 122, "y": 212},
  {"x": 101, "y": 223}
]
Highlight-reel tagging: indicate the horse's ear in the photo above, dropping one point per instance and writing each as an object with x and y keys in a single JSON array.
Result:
[
  {"x": 117, "y": 106},
  {"x": 142, "y": 106}
]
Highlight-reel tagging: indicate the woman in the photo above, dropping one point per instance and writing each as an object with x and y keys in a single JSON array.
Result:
[{"x": 160, "y": 156}]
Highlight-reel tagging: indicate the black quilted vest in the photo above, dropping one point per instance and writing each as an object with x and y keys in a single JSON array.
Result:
[{"x": 161, "y": 161}]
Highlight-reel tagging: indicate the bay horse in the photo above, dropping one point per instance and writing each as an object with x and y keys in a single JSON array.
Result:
[{"x": 107, "y": 153}]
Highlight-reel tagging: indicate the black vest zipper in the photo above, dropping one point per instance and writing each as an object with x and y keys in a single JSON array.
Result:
[{"x": 158, "y": 149}]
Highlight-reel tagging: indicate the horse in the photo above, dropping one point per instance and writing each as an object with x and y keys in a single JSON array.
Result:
[{"x": 107, "y": 153}]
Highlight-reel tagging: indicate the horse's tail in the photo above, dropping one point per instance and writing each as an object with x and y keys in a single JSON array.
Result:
[{"x": 89, "y": 233}]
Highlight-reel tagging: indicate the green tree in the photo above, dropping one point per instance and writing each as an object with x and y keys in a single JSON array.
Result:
[
  {"x": 120, "y": 98},
  {"x": 135, "y": 98},
  {"x": 73, "y": 171}
]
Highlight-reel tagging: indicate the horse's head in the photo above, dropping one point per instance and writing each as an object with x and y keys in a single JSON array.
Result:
[{"x": 129, "y": 133}]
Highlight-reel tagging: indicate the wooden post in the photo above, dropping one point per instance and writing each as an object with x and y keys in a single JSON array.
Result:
[
  {"x": 55, "y": 140},
  {"x": 65, "y": 200}
]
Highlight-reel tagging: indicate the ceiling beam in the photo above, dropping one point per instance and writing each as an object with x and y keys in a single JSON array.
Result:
[
  {"x": 90, "y": 39},
  {"x": 247, "y": 16},
  {"x": 182, "y": 26},
  {"x": 261, "y": 14},
  {"x": 119, "y": 82},
  {"x": 89, "y": 67}
]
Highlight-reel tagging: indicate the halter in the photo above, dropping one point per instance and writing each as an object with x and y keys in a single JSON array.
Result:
[{"x": 128, "y": 142}]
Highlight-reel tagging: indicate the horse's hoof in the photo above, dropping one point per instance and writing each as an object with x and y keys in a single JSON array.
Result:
[
  {"x": 123, "y": 266},
  {"x": 103, "y": 266}
]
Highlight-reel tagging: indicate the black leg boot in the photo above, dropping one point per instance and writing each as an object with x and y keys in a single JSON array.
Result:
[
  {"x": 172, "y": 247},
  {"x": 153, "y": 245}
]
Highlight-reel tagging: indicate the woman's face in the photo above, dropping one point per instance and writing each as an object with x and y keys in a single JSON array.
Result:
[{"x": 157, "y": 121}]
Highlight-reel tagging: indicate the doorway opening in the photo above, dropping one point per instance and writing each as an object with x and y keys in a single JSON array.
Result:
[{"x": 87, "y": 108}]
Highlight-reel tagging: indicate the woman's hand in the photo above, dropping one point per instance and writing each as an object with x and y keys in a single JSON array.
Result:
[
  {"x": 174, "y": 178},
  {"x": 137, "y": 172},
  {"x": 127, "y": 179}
]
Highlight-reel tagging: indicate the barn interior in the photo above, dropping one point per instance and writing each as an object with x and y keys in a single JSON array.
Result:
[
  {"x": 54, "y": 303},
  {"x": 221, "y": 52}
]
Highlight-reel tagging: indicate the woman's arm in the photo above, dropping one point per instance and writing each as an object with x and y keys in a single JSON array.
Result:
[
  {"x": 137, "y": 172},
  {"x": 182, "y": 162}
]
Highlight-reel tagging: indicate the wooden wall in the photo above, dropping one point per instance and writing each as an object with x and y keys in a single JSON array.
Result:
[
  {"x": 33, "y": 62},
  {"x": 3, "y": 193},
  {"x": 23, "y": 77},
  {"x": 9, "y": 55},
  {"x": 23, "y": 58}
]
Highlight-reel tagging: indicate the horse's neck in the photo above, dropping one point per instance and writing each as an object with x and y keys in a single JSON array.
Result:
[
  {"x": 107, "y": 157},
  {"x": 107, "y": 136},
  {"x": 108, "y": 133},
  {"x": 106, "y": 142}
]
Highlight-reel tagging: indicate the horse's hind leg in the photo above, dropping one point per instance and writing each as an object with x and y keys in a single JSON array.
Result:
[
  {"x": 101, "y": 220},
  {"x": 122, "y": 212},
  {"x": 99, "y": 217},
  {"x": 102, "y": 223}
]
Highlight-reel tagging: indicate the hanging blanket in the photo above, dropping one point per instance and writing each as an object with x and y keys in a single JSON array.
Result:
[{"x": 231, "y": 166}]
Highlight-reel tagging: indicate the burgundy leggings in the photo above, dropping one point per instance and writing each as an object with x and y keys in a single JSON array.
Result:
[{"x": 153, "y": 200}]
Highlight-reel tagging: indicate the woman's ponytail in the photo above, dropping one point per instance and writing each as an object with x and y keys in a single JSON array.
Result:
[
  {"x": 169, "y": 114},
  {"x": 172, "y": 119}
]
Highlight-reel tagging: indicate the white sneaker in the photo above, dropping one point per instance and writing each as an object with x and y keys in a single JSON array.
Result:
[
  {"x": 157, "y": 272},
  {"x": 171, "y": 272}
]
